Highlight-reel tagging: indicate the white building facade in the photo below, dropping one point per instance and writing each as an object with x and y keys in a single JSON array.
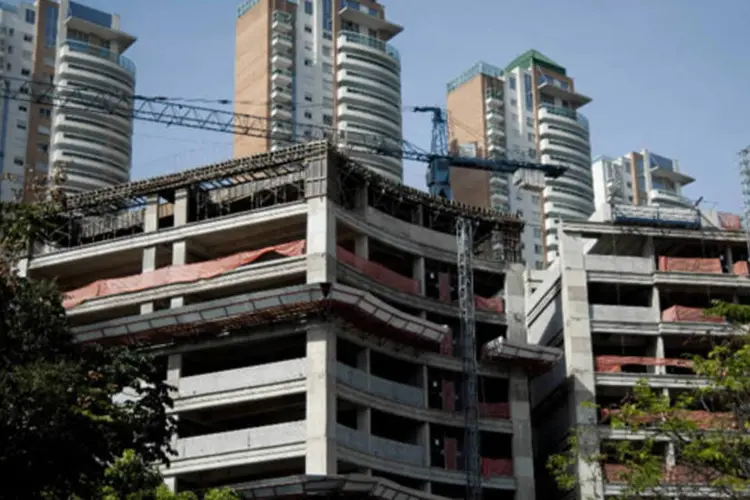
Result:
[
  {"x": 95, "y": 149},
  {"x": 16, "y": 46},
  {"x": 640, "y": 178}
]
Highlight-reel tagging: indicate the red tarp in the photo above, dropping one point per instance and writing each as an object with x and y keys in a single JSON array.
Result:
[
  {"x": 494, "y": 410},
  {"x": 497, "y": 467},
  {"x": 449, "y": 395},
  {"x": 704, "y": 419},
  {"x": 685, "y": 265},
  {"x": 613, "y": 364},
  {"x": 450, "y": 453},
  {"x": 741, "y": 268},
  {"x": 682, "y": 314},
  {"x": 378, "y": 272},
  {"x": 169, "y": 275}
]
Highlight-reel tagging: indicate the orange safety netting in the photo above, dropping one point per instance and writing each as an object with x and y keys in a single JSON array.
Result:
[
  {"x": 169, "y": 275},
  {"x": 703, "y": 419},
  {"x": 494, "y": 410},
  {"x": 679, "y": 474},
  {"x": 741, "y": 268},
  {"x": 732, "y": 222},
  {"x": 613, "y": 364},
  {"x": 680, "y": 314},
  {"x": 494, "y": 305},
  {"x": 689, "y": 265},
  {"x": 497, "y": 467},
  {"x": 378, "y": 272}
]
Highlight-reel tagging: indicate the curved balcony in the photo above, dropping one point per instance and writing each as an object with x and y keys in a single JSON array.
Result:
[
  {"x": 665, "y": 198},
  {"x": 564, "y": 117},
  {"x": 363, "y": 98},
  {"x": 375, "y": 71},
  {"x": 551, "y": 131},
  {"x": 91, "y": 55},
  {"x": 358, "y": 42},
  {"x": 360, "y": 80},
  {"x": 389, "y": 123},
  {"x": 556, "y": 147}
]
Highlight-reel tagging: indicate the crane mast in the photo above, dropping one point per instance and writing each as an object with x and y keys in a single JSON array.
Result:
[{"x": 172, "y": 112}]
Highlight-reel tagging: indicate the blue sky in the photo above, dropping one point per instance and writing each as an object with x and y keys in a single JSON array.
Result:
[{"x": 668, "y": 75}]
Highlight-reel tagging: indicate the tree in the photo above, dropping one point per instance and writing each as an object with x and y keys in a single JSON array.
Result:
[
  {"x": 708, "y": 428},
  {"x": 60, "y": 429}
]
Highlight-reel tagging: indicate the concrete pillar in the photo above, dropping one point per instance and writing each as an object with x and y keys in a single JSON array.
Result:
[
  {"x": 418, "y": 273},
  {"x": 22, "y": 267},
  {"x": 363, "y": 360},
  {"x": 320, "y": 453},
  {"x": 418, "y": 215},
  {"x": 179, "y": 248},
  {"x": 361, "y": 199},
  {"x": 171, "y": 483},
  {"x": 150, "y": 224},
  {"x": 362, "y": 246},
  {"x": 364, "y": 420},
  {"x": 321, "y": 241},
  {"x": 423, "y": 439},
  {"x": 579, "y": 360}
]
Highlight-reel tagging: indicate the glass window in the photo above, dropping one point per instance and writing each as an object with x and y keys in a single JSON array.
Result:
[
  {"x": 50, "y": 27},
  {"x": 30, "y": 16},
  {"x": 512, "y": 82},
  {"x": 308, "y": 7},
  {"x": 528, "y": 91}
]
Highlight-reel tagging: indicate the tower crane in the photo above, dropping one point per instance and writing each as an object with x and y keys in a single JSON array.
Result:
[{"x": 172, "y": 112}]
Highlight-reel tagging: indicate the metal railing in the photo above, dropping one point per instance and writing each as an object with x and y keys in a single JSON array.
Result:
[
  {"x": 374, "y": 43},
  {"x": 568, "y": 113},
  {"x": 104, "y": 53}
]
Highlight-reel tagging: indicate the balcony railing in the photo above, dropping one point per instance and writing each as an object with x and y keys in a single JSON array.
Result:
[
  {"x": 86, "y": 48},
  {"x": 380, "y": 447},
  {"x": 568, "y": 113},
  {"x": 400, "y": 393},
  {"x": 373, "y": 43}
]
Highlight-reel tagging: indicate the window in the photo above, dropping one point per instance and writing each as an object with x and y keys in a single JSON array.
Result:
[
  {"x": 531, "y": 136},
  {"x": 50, "y": 25},
  {"x": 327, "y": 68},
  {"x": 21, "y": 125},
  {"x": 308, "y": 97},
  {"x": 538, "y": 249},
  {"x": 42, "y": 148},
  {"x": 18, "y": 161},
  {"x": 23, "y": 108},
  {"x": 532, "y": 153},
  {"x": 45, "y": 112},
  {"x": 529, "y": 122},
  {"x": 326, "y": 50},
  {"x": 25, "y": 72},
  {"x": 535, "y": 199},
  {"x": 520, "y": 213},
  {"x": 30, "y": 16},
  {"x": 308, "y": 28},
  {"x": 308, "y": 62},
  {"x": 308, "y": 7},
  {"x": 512, "y": 83},
  {"x": 539, "y": 265},
  {"x": 28, "y": 38},
  {"x": 327, "y": 120},
  {"x": 308, "y": 115},
  {"x": 514, "y": 103},
  {"x": 537, "y": 232},
  {"x": 49, "y": 61},
  {"x": 308, "y": 46},
  {"x": 528, "y": 92},
  {"x": 10, "y": 49},
  {"x": 11, "y": 31},
  {"x": 26, "y": 55}
]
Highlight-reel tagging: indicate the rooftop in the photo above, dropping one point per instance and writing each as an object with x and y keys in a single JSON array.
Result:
[{"x": 532, "y": 56}]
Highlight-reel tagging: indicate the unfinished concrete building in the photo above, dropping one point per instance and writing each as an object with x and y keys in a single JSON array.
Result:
[
  {"x": 624, "y": 301},
  {"x": 303, "y": 307}
]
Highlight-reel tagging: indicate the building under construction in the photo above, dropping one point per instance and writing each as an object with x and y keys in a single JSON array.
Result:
[
  {"x": 625, "y": 301},
  {"x": 305, "y": 310}
]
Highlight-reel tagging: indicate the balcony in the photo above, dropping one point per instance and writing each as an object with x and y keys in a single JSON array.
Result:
[
  {"x": 493, "y": 100},
  {"x": 281, "y": 41},
  {"x": 495, "y": 117},
  {"x": 379, "y": 387},
  {"x": 351, "y": 38},
  {"x": 281, "y": 77},
  {"x": 495, "y": 132},
  {"x": 564, "y": 115},
  {"x": 665, "y": 198},
  {"x": 282, "y": 21},
  {"x": 495, "y": 149},
  {"x": 79, "y": 47},
  {"x": 281, "y": 59},
  {"x": 281, "y": 113},
  {"x": 385, "y": 449},
  {"x": 281, "y": 94}
]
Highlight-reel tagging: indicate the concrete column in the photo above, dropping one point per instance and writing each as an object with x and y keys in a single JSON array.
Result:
[
  {"x": 361, "y": 199},
  {"x": 363, "y": 360},
  {"x": 418, "y": 273},
  {"x": 362, "y": 246},
  {"x": 171, "y": 483},
  {"x": 418, "y": 215},
  {"x": 321, "y": 241},
  {"x": 179, "y": 248},
  {"x": 659, "y": 353},
  {"x": 423, "y": 439},
  {"x": 579, "y": 362},
  {"x": 150, "y": 224},
  {"x": 320, "y": 453},
  {"x": 22, "y": 267},
  {"x": 364, "y": 420}
]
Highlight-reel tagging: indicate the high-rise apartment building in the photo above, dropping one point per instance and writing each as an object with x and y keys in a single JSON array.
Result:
[
  {"x": 80, "y": 49},
  {"x": 16, "y": 48},
  {"x": 527, "y": 110},
  {"x": 318, "y": 64},
  {"x": 642, "y": 178}
]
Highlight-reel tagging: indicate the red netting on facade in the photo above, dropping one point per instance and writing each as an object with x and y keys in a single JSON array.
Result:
[
  {"x": 497, "y": 467},
  {"x": 378, "y": 272},
  {"x": 679, "y": 474},
  {"x": 446, "y": 346},
  {"x": 449, "y": 395},
  {"x": 613, "y": 364},
  {"x": 450, "y": 453},
  {"x": 682, "y": 314},
  {"x": 703, "y": 419},
  {"x": 730, "y": 222},
  {"x": 169, "y": 275},
  {"x": 494, "y": 410},
  {"x": 741, "y": 268},
  {"x": 689, "y": 265}
]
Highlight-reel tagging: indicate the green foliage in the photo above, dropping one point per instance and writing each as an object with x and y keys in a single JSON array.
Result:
[
  {"x": 60, "y": 427},
  {"x": 708, "y": 452}
]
